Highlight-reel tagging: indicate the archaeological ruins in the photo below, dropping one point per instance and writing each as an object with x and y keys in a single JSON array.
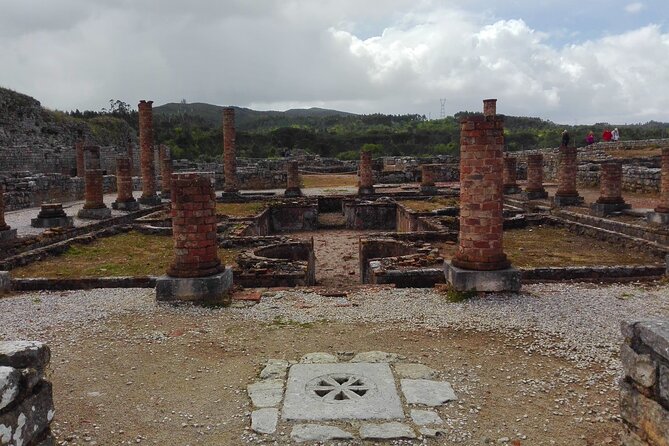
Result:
[{"x": 236, "y": 234}]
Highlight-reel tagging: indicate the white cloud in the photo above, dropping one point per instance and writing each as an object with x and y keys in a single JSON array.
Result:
[
  {"x": 384, "y": 56},
  {"x": 634, "y": 8}
]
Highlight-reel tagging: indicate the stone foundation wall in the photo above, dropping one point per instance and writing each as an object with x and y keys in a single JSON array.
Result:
[
  {"x": 26, "y": 399},
  {"x": 644, "y": 389}
]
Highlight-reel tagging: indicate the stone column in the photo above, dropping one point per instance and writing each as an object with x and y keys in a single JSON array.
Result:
[
  {"x": 166, "y": 172},
  {"x": 535, "y": 178},
  {"x": 366, "y": 175},
  {"x": 149, "y": 196},
  {"x": 229, "y": 155},
  {"x": 124, "y": 200},
  {"x": 610, "y": 190},
  {"x": 566, "y": 194},
  {"x": 94, "y": 206},
  {"x": 427, "y": 184},
  {"x": 196, "y": 273},
  {"x": 293, "y": 179},
  {"x": 480, "y": 263},
  {"x": 6, "y": 233},
  {"x": 660, "y": 216},
  {"x": 79, "y": 154},
  {"x": 509, "y": 175}
]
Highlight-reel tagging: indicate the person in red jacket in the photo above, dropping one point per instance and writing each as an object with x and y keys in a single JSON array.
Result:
[{"x": 607, "y": 135}]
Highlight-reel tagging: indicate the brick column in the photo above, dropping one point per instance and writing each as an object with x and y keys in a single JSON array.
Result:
[
  {"x": 124, "y": 200},
  {"x": 427, "y": 184},
  {"x": 509, "y": 175},
  {"x": 535, "y": 177},
  {"x": 293, "y": 179},
  {"x": 94, "y": 206},
  {"x": 481, "y": 198},
  {"x": 91, "y": 157},
  {"x": 131, "y": 155},
  {"x": 79, "y": 154},
  {"x": 166, "y": 171},
  {"x": 566, "y": 194},
  {"x": 663, "y": 205},
  {"x": 194, "y": 227},
  {"x": 146, "y": 148},
  {"x": 229, "y": 156},
  {"x": 611, "y": 183},
  {"x": 366, "y": 175}
]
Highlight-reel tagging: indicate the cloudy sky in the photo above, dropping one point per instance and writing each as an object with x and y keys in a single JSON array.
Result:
[{"x": 569, "y": 61}]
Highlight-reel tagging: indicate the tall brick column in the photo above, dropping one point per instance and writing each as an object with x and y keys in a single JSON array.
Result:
[
  {"x": 535, "y": 178},
  {"x": 610, "y": 190},
  {"x": 229, "y": 152},
  {"x": 660, "y": 215},
  {"x": 92, "y": 157},
  {"x": 131, "y": 155},
  {"x": 124, "y": 200},
  {"x": 480, "y": 263},
  {"x": 6, "y": 233},
  {"x": 427, "y": 184},
  {"x": 293, "y": 179},
  {"x": 566, "y": 194},
  {"x": 197, "y": 272},
  {"x": 510, "y": 175},
  {"x": 94, "y": 206},
  {"x": 149, "y": 196},
  {"x": 366, "y": 175},
  {"x": 79, "y": 155},
  {"x": 166, "y": 172}
]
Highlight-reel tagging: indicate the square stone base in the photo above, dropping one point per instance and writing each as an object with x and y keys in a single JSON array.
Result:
[
  {"x": 365, "y": 191},
  {"x": 293, "y": 192},
  {"x": 231, "y": 197},
  {"x": 52, "y": 222},
  {"x": 534, "y": 194},
  {"x": 94, "y": 214},
  {"x": 510, "y": 190},
  {"x": 127, "y": 206},
  {"x": 211, "y": 289},
  {"x": 429, "y": 190},
  {"x": 5, "y": 282},
  {"x": 567, "y": 201},
  {"x": 604, "y": 209},
  {"x": 7, "y": 234},
  {"x": 150, "y": 201},
  {"x": 658, "y": 218},
  {"x": 489, "y": 281}
]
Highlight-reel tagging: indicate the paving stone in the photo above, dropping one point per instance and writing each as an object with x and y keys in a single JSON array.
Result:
[
  {"x": 318, "y": 358},
  {"x": 431, "y": 433},
  {"x": 640, "y": 368},
  {"x": 386, "y": 431},
  {"x": 415, "y": 371},
  {"x": 264, "y": 421},
  {"x": 376, "y": 356},
  {"x": 275, "y": 369},
  {"x": 360, "y": 391},
  {"x": 10, "y": 379},
  {"x": 426, "y": 392},
  {"x": 425, "y": 417},
  {"x": 24, "y": 354},
  {"x": 266, "y": 393},
  {"x": 317, "y": 432}
]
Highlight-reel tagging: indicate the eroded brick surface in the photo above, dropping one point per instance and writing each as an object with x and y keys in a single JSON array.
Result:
[
  {"x": 146, "y": 148},
  {"x": 124, "y": 179},
  {"x": 535, "y": 173},
  {"x": 611, "y": 183}
]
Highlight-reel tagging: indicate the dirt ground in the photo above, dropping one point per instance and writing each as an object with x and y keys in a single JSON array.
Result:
[{"x": 180, "y": 379}]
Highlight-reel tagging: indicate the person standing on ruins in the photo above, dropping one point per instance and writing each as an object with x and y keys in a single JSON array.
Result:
[
  {"x": 565, "y": 138},
  {"x": 590, "y": 139},
  {"x": 615, "y": 135},
  {"x": 607, "y": 135}
]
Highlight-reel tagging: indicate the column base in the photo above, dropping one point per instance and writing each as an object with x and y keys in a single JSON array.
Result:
[
  {"x": 293, "y": 192},
  {"x": 429, "y": 190},
  {"x": 127, "y": 206},
  {"x": 94, "y": 214},
  {"x": 153, "y": 200},
  {"x": 511, "y": 189},
  {"x": 561, "y": 201},
  {"x": 604, "y": 209},
  {"x": 231, "y": 197},
  {"x": 52, "y": 222},
  {"x": 488, "y": 281},
  {"x": 165, "y": 195},
  {"x": 366, "y": 190},
  {"x": 7, "y": 235},
  {"x": 658, "y": 218},
  {"x": 5, "y": 282},
  {"x": 210, "y": 289},
  {"x": 534, "y": 194}
]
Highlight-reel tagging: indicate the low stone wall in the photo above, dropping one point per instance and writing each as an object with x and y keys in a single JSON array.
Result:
[
  {"x": 370, "y": 215},
  {"x": 297, "y": 216},
  {"x": 644, "y": 389},
  {"x": 26, "y": 398},
  {"x": 284, "y": 264}
]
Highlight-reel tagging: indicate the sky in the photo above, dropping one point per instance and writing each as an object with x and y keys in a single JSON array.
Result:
[{"x": 572, "y": 62}]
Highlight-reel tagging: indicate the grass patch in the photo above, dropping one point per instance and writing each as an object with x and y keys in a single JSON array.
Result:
[
  {"x": 329, "y": 180},
  {"x": 130, "y": 254},
  {"x": 241, "y": 209},
  {"x": 431, "y": 204},
  {"x": 455, "y": 296}
]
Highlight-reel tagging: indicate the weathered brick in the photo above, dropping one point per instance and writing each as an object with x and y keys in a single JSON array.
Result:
[{"x": 146, "y": 149}]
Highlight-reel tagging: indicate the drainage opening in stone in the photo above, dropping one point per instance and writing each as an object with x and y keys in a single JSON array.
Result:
[{"x": 339, "y": 387}]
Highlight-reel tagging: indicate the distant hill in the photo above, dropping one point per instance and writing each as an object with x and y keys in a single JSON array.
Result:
[{"x": 245, "y": 118}]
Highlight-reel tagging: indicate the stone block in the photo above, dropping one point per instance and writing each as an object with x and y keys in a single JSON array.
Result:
[
  {"x": 534, "y": 195},
  {"x": 604, "y": 209},
  {"x": 127, "y": 206},
  {"x": 649, "y": 418},
  {"x": 7, "y": 235},
  {"x": 663, "y": 379},
  {"x": 94, "y": 214},
  {"x": 52, "y": 222},
  {"x": 429, "y": 190},
  {"x": 266, "y": 393},
  {"x": 655, "y": 335},
  {"x": 318, "y": 433},
  {"x": 153, "y": 200},
  {"x": 5, "y": 282},
  {"x": 658, "y": 218},
  {"x": 293, "y": 192},
  {"x": 29, "y": 420},
  {"x": 264, "y": 421},
  {"x": 211, "y": 289},
  {"x": 640, "y": 368},
  {"x": 487, "y": 281},
  {"x": 24, "y": 354},
  {"x": 386, "y": 431},
  {"x": 10, "y": 381},
  {"x": 567, "y": 201},
  {"x": 427, "y": 392}
]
